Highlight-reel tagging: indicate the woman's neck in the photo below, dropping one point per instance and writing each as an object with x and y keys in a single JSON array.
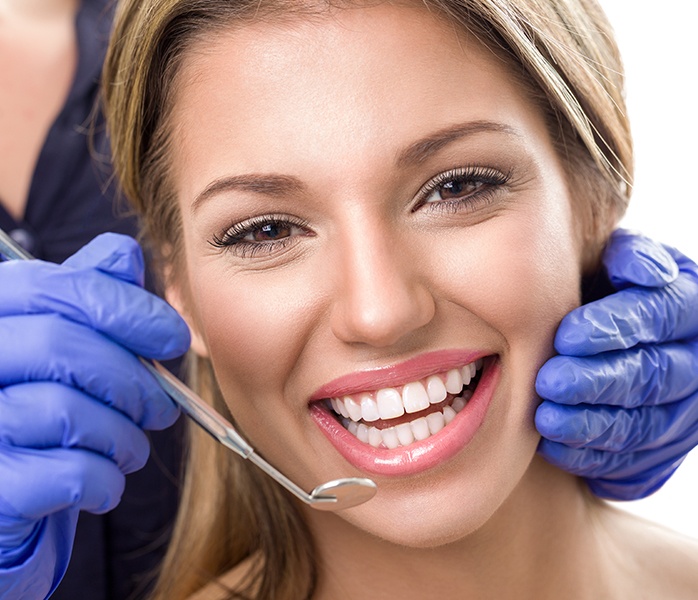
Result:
[{"x": 548, "y": 538}]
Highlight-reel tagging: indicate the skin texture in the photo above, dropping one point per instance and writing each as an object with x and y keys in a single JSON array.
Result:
[{"x": 370, "y": 275}]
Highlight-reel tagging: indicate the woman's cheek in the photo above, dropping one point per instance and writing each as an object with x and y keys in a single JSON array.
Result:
[
  {"x": 256, "y": 327},
  {"x": 519, "y": 272}
]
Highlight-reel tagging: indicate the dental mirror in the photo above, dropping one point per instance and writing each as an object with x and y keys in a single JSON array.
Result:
[{"x": 337, "y": 494}]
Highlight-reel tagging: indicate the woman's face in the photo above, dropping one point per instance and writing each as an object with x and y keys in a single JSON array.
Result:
[{"x": 371, "y": 208}]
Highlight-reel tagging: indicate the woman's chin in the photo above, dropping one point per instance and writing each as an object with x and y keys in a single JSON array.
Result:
[{"x": 441, "y": 510}]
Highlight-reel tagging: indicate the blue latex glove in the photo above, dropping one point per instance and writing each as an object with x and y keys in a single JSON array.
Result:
[
  {"x": 621, "y": 401},
  {"x": 74, "y": 399}
]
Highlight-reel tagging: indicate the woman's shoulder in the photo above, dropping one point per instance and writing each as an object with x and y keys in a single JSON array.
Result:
[
  {"x": 672, "y": 560},
  {"x": 660, "y": 562},
  {"x": 224, "y": 586}
]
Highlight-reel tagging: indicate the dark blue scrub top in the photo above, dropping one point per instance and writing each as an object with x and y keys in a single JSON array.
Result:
[{"x": 69, "y": 203}]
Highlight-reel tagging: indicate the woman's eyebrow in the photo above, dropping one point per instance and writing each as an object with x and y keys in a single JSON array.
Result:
[
  {"x": 275, "y": 184},
  {"x": 421, "y": 149},
  {"x": 267, "y": 184}
]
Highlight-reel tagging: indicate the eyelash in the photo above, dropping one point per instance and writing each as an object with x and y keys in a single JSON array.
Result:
[
  {"x": 487, "y": 180},
  {"x": 233, "y": 239}
]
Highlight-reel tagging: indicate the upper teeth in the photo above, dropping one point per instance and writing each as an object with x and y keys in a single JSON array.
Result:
[{"x": 390, "y": 403}]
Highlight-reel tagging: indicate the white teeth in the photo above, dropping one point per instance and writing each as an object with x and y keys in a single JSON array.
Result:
[
  {"x": 458, "y": 404},
  {"x": 420, "y": 429},
  {"x": 369, "y": 409},
  {"x": 435, "y": 421},
  {"x": 414, "y": 397},
  {"x": 374, "y": 437},
  {"x": 338, "y": 407},
  {"x": 342, "y": 409},
  {"x": 466, "y": 374},
  {"x": 404, "y": 434},
  {"x": 353, "y": 408},
  {"x": 390, "y": 438},
  {"x": 389, "y": 403},
  {"x": 407, "y": 433},
  {"x": 362, "y": 433},
  {"x": 436, "y": 390},
  {"x": 454, "y": 381}
]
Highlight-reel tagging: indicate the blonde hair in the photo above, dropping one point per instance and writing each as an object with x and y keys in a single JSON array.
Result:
[{"x": 566, "y": 58}]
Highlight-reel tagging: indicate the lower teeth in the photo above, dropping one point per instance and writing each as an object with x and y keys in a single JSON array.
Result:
[{"x": 407, "y": 433}]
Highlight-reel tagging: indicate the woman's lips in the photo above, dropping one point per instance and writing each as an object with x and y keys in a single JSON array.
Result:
[
  {"x": 411, "y": 370},
  {"x": 411, "y": 443}
]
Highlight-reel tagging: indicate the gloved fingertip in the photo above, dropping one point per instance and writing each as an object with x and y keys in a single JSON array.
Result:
[
  {"x": 114, "y": 254},
  {"x": 166, "y": 417},
  {"x": 602, "y": 325},
  {"x": 126, "y": 262},
  {"x": 157, "y": 332},
  {"x": 137, "y": 457},
  {"x": 547, "y": 421},
  {"x": 111, "y": 497},
  {"x": 645, "y": 270},
  {"x": 177, "y": 344},
  {"x": 572, "y": 336},
  {"x": 550, "y": 379},
  {"x": 109, "y": 504},
  {"x": 633, "y": 259}
]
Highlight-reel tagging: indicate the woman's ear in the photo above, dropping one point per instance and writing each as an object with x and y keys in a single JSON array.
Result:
[{"x": 175, "y": 296}]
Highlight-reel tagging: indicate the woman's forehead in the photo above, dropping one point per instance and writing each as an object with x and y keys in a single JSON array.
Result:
[
  {"x": 295, "y": 41},
  {"x": 365, "y": 83}
]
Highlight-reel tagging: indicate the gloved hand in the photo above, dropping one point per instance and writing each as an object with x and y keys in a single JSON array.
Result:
[
  {"x": 74, "y": 399},
  {"x": 621, "y": 400}
]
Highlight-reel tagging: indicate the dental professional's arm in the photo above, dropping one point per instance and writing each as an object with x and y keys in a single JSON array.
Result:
[
  {"x": 74, "y": 399},
  {"x": 620, "y": 401}
]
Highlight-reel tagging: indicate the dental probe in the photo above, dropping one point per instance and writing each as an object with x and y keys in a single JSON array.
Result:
[{"x": 337, "y": 494}]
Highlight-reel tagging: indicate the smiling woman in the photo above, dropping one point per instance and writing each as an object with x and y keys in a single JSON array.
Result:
[{"x": 373, "y": 217}]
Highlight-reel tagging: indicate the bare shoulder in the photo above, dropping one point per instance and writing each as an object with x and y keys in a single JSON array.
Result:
[{"x": 661, "y": 563}]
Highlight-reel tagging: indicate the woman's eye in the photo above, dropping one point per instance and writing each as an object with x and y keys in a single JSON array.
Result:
[
  {"x": 271, "y": 232},
  {"x": 267, "y": 234},
  {"x": 455, "y": 188},
  {"x": 463, "y": 186}
]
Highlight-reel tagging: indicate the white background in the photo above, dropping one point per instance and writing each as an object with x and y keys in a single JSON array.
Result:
[{"x": 659, "y": 44}]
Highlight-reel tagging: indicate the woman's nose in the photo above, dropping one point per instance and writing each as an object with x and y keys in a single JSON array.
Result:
[{"x": 380, "y": 298}]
